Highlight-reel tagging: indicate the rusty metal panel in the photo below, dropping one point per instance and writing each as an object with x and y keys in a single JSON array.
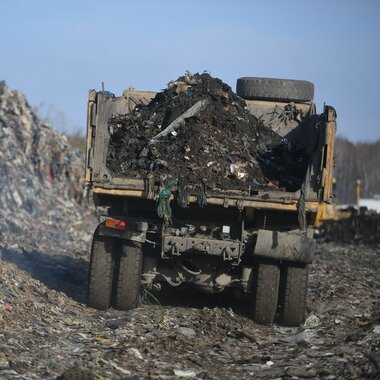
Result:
[
  {"x": 219, "y": 201},
  {"x": 288, "y": 246},
  {"x": 91, "y": 111},
  {"x": 330, "y": 144}
]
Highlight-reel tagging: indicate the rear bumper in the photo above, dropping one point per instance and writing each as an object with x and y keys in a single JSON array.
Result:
[
  {"x": 135, "y": 231},
  {"x": 177, "y": 245}
]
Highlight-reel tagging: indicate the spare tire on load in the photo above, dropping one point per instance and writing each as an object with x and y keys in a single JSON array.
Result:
[{"x": 286, "y": 90}]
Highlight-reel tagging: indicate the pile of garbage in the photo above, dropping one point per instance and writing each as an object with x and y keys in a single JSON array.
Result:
[
  {"x": 199, "y": 132},
  {"x": 358, "y": 228},
  {"x": 40, "y": 176}
]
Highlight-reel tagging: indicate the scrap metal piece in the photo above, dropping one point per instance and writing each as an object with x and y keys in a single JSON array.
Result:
[{"x": 198, "y": 107}]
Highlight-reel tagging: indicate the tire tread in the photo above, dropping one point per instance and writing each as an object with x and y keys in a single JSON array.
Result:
[
  {"x": 286, "y": 90},
  {"x": 101, "y": 273},
  {"x": 129, "y": 277},
  {"x": 266, "y": 293},
  {"x": 295, "y": 294}
]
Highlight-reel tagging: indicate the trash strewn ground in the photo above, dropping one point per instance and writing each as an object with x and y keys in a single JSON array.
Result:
[
  {"x": 200, "y": 132},
  {"x": 46, "y": 330}
]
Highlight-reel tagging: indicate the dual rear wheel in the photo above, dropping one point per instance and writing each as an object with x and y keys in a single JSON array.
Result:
[
  {"x": 280, "y": 292},
  {"x": 115, "y": 274}
]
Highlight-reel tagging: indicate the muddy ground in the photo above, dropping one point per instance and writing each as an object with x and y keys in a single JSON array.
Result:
[{"x": 45, "y": 329}]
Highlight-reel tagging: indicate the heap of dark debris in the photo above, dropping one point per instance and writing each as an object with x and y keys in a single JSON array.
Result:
[
  {"x": 358, "y": 228},
  {"x": 199, "y": 131}
]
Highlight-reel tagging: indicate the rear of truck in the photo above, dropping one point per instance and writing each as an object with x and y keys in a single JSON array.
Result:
[{"x": 258, "y": 242}]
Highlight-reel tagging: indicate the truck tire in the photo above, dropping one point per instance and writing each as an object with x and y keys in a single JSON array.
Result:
[
  {"x": 101, "y": 272},
  {"x": 285, "y": 90},
  {"x": 294, "y": 279},
  {"x": 266, "y": 292},
  {"x": 129, "y": 277}
]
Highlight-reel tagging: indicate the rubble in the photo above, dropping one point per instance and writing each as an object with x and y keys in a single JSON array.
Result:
[
  {"x": 362, "y": 228},
  {"x": 199, "y": 131}
]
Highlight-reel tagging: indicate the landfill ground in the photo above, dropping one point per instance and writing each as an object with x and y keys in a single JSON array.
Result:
[{"x": 45, "y": 328}]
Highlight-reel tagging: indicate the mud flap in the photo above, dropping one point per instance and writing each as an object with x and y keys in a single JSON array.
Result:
[{"x": 294, "y": 246}]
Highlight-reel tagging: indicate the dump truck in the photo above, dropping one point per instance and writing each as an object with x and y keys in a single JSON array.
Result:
[{"x": 258, "y": 243}]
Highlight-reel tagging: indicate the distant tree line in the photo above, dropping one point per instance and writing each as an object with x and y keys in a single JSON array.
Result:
[{"x": 356, "y": 161}]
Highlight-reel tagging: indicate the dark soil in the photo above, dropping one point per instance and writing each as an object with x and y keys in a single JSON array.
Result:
[{"x": 222, "y": 147}]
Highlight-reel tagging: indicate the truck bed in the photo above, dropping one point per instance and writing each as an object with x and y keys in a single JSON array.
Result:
[{"x": 101, "y": 107}]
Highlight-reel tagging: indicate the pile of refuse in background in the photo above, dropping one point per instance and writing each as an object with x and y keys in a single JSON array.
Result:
[
  {"x": 40, "y": 175},
  {"x": 199, "y": 131},
  {"x": 41, "y": 189},
  {"x": 357, "y": 228}
]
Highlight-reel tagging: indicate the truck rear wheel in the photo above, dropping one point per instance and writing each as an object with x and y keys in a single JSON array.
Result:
[
  {"x": 294, "y": 279},
  {"x": 266, "y": 292},
  {"x": 101, "y": 272},
  {"x": 129, "y": 277}
]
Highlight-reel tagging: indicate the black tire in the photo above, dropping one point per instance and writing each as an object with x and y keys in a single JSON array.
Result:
[
  {"x": 101, "y": 272},
  {"x": 266, "y": 292},
  {"x": 285, "y": 90},
  {"x": 129, "y": 277},
  {"x": 292, "y": 305}
]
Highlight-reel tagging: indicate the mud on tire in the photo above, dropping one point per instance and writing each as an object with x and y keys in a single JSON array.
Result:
[
  {"x": 129, "y": 276},
  {"x": 265, "y": 292},
  {"x": 101, "y": 272},
  {"x": 293, "y": 294}
]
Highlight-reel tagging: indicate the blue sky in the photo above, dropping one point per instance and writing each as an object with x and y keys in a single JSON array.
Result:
[{"x": 55, "y": 51}]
